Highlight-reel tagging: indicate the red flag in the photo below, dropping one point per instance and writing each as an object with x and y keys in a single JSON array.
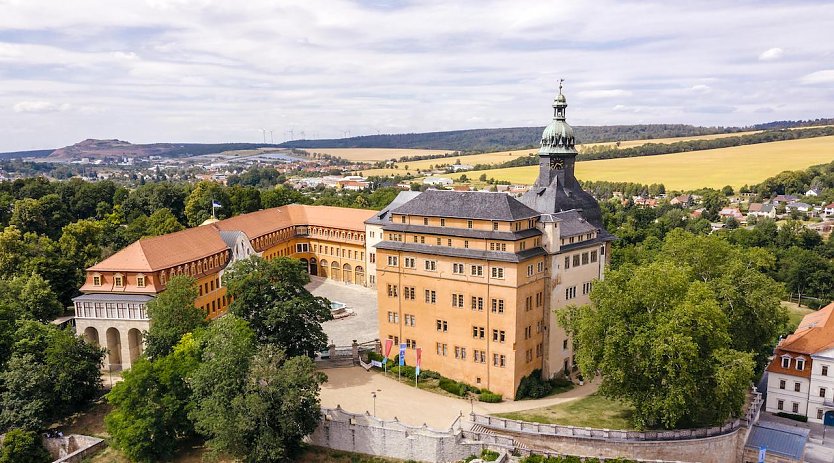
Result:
[
  {"x": 389, "y": 343},
  {"x": 419, "y": 359}
]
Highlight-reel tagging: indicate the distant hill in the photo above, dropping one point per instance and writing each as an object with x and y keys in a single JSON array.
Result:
[
  {"x": 25, "y": 154},
  {"x": 92, "y": 148}
]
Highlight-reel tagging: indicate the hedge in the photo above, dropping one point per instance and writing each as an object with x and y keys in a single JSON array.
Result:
[
  {"x": 791, "y": 416},
  {"x": 571, "y": 459},
  {"x": 489, "y": 397},
  {"x": 533, "y": 386}
]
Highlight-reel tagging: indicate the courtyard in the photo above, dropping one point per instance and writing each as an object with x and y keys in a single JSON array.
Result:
[{"x": 363, "y": 325}]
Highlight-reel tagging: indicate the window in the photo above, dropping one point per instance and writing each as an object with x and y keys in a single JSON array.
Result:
[
  {"x": 409, "y": 262},
  {"x": 593, "y": 256},
  {"x": 786, "y": 362},
  {"x": 796, "y": 386},
  {"x": 499, "y": 335},
  {"x": 460, "y": 353},
  {"x": 97, "y": 280},
  {"x": 457, "y": 300},
  {"x": 497, "y": 272},
  {"x": 800, "y": 364},
  {"x": 457, "y": 268},
  {"x": 442, "y": 222},
  {"x": 530, "y": 270},
  {"x": 528, "y": 332},
  {"x": 392, "y": 290},
  {"x": 393, "y": 260},
  {"x": 411, "y": 343},
  {"x": 565, "y": 344},
  {"x": 373, "y": 257},
  {"x": 477, "y": 270},
  {"x": 442, "y": 349},
  {"x": 539, "y": 299},
  {"x": 409, "y": 319},
  {"x": 540, "y": 267},
  {"x": 140, "y": 281},
  {"x": 425, "y": 220},
  {"x": 795, "y": 407},
  {"x": 584, "y": 258},
  {"x": 570, "y": 293},
  {"x": 449, "y": 242},
  {"x": 567, "y": 263},
  {"x": 118, "y": 281},
  {"x": 576, "y": 260},
  {"x": 522, "y": 245},
  {"x": 479, "y": 356},
  {"x": 494, "y": 226},
  {"x": 393, "y": 317},
  {"x": 442, "y": 325},
  {"x": 422, "y": 240},
  {"x": 528, "y": 356},
  {"x": 499, "y": 360},
  {"x": 302, "y": 247},
  {"x": 478, "y": 303},
  {"x": 466, "y": 244},
  {"x": 528, "y": 303},
  {"x": 586, "y": 288},
  {"x": 415, "y": 238},
  {"x": 478, "y": 332},
  {"x": 498, "y": 306},
  {"x": 781, "y": 384},
  {"x": 431, "y": 265},
  {"x": 409, "y": 293},
  {"x": 431, "y": 297},
  {"x": 780, "y": 405},
  {"x": 822, "y": 392},
  {"x": 438, "y": 241},
  {"x": 468, "y": 224},
  {"x": 824, "y": 371},
  {"x": 819, "y": 413}
]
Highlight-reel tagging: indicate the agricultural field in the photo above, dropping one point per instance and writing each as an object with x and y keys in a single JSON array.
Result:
[
  {"x": 373, "y": 154},
  {"x": 735, "y": 166}
]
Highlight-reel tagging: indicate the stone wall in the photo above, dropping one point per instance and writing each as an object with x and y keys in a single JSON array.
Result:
[{"x": 73, "y": 448}]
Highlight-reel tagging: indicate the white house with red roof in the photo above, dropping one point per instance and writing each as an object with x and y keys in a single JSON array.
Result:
[{"x": 801, "y": 374}]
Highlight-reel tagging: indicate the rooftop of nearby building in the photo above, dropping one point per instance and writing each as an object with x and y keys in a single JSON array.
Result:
[
  {"x": 788, "y": 441},
  {"x": 384, "y": 216},
  {"x": 477, "y": 205},
  {"x": 815, "y": 333}
]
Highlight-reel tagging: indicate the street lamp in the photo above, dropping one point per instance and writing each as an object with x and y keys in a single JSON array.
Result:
[{"x": 373, "y": 394}]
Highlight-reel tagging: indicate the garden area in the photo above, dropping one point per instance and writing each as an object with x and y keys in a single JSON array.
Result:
[{"x": 594, "y": 411}]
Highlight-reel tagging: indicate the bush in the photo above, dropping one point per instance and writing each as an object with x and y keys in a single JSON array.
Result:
[
  {"x": 570, "y": 459},
  {"x": 453, "y": 387},
  {"x": 533, "y": 386},
  {"x": 23, "y": 447},
  {"x": 405, "y": 371},
  {"x": 429, "y": 374},
  {"x": 489, "y": 455},
  {"x": 791, "y": 416},
  {"x": 375, "y": 356},
  {"x": 489, "y": 397}
]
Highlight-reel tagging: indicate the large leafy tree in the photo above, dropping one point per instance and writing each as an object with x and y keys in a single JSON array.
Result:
[
  {"x": 662, "y": 343},
  {"x": 21, "y": 446},
  {"x": 51, "y": 373},
  {"x": 270, "y": 295},
  {"x": 29, "y": 297},
  {"x": 172, "y": 315},
  {"x": 198, "y": 205},
  {"x": 151, "y": 405}
]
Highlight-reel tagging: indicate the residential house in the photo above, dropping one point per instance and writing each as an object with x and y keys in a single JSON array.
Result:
[
  {"x": 779, "y": 199},
  {"x": 801, "y": 374},
  {"x": 441, "y": 181},
  {"x": 684, "y": 200},
  {"x": 798, "y": 206},
  {"x": 761, "y": 210},
  {"x": 733, "y": 212},
  {"x": 813, "y": 192},
  {"x": 828, "y": 209}
]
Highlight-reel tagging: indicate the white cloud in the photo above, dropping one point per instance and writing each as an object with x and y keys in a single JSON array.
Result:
[
  {"x": 700, "y": 89},
  {"x": 38, "y": 107},
  {"x": 819, "y": 77},
  {"x": 602, "y": 94},
  {"x": 771, "y": 54}
]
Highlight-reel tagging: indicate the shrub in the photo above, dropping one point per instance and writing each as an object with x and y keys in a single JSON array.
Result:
[
  {"x": 533, "y": 386},
  {"x": 23, "y": 447},
  {"x": 429, "y": 374},
  {"x": 375, "y": 356},
  {"x": 405, "y": 371},
  {"x": 791, "y": 416},
  {"x": 489, "y": 397},
  {"x": 453, "y": 387},
  {"x": 489, "y": 455}
]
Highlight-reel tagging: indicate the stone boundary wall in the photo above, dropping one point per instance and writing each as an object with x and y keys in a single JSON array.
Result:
[{"x": 73, "y": 448}]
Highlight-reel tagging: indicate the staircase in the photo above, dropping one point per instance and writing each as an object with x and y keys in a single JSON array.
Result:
[{"x": 518, "y": 445}]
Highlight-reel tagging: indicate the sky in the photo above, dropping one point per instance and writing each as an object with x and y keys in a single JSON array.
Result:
[{"x": 224, "y": 71}]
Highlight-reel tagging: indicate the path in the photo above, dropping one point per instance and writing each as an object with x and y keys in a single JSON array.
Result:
[
  {"x": 352, "y": 387},
  {"x": 363, "y": 326}
]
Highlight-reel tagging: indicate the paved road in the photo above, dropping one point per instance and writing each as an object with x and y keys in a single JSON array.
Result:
[
  {"x": 352, "y": 387},
  {"x": 363, "y": 326}
]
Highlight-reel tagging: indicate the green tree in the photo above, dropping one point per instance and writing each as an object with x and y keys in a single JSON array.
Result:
[
  {"x": 173, "y": 314},
  {"x": 727, "y": 190},
  {"x": 270, "y": 295},
  {"x": 21, "y": 446},
  {"x": 244, "y": 199},
  {"x": 198, "y": 205},
  {"x": 29, "y": 297},
  {"x": 162, "y": 222},
  {"x": 713, "y": 201},
  {"x": 151, "y": 404},
  {"x": 281, "y": 196},
  {"x": 82, "y": 241},
  {"x": 661, "y": 342},
  {"x": 50, "y": 374}
]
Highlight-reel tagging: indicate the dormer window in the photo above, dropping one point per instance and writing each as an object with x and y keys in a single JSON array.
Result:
[
  {"x": 97, "y": 280},
  {"x": 140, "y": 281},
  {"x": 118, "y": 281},
  {"x": 786, "y": 362},
  {"x": 800, "y": 364}
]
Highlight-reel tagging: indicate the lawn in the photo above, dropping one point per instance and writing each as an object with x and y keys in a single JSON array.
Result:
[
  {"x": 593, "y": 411},
  {"x": 795, "y": 314},
  {"x": 736, "y": 166}
]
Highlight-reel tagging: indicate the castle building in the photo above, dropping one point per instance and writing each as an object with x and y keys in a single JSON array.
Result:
[{"x": 473, "y": 278}]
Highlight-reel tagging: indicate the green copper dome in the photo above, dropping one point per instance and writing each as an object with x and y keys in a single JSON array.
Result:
[{"x": 557, "y": 137}]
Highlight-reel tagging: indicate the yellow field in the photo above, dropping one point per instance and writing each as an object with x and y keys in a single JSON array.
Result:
[
  {"x": 373, "y": 154},
  {"x": 736, "y": 166}
]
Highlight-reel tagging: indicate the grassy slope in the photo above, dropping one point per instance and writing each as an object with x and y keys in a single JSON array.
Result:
[
  {"x": 373, "y": 154},
  {"x": 736, "y": 166},
  {"x": 593, "y": 411}
]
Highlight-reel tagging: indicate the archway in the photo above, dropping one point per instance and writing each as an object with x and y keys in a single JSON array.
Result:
[
  {"x": 306, "y": 265},
  {"x": 114, "y": 348},
  {"x": 91, "y": 336},
  {"x": 347, "y": 274},
  {"x": 313, "y": 267},
  {"x": 359, "y": 275},
  {"x": 323, "y": 268},
  {"x": 335, "y": 271},
  {"x": 134, "y": 342}
]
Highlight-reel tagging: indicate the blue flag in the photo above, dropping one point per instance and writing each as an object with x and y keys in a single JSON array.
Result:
[
  {"x": 216, "y": 204},
  {"x": 402, "y": 354}
]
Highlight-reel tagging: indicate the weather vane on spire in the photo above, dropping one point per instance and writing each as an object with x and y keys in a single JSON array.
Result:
[{"x": 560, "y": 85}]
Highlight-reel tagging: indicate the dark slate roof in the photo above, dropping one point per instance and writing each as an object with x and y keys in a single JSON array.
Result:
[
  {"x": 573, "y": 223},
  {"x": 778, "y": 438},
  {"x": 107, "y": 297},
  {"x": 463, "y": 232},
  {"x": 461, "y": 252},
  {"x": 384, "y": 216},
  {"x": 230, "y": 237},
  {"x": 587, "y": 243},
  {"x": 478, "y": 205}
]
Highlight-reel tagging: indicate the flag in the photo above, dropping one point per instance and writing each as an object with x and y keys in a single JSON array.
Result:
[
  {"x": 389, "y": 343},
  {"x": 402, "y": 354},
  {"x": 419, "y": 358},
  {"x": 216, "y": 204}
]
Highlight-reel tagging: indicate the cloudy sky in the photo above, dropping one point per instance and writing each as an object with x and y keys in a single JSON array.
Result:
[{"x": 217, "y": 71}]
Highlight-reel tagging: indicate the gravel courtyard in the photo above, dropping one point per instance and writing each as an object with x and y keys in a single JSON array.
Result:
[{"x": 363, "y": 326}]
